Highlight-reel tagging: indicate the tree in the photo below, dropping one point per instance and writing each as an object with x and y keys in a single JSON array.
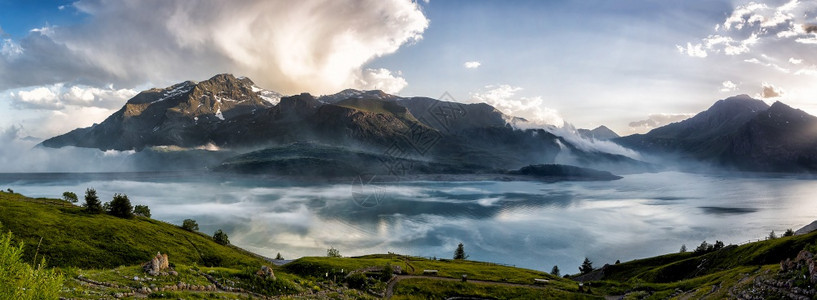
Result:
[
  {"x": 279, "y": 257},
  {"x": 788, "y": 232},
  {"x": 555, "y": 271},
  {"x": 92, "y": 204},
  {"x": 704, "y": 247},
  {"x": 460, "y": 252},
  {"x": 772, "y": 235},
  {"x": 70, "y": 197},
  {"x": 190, "y": 225},
  {"x": 142, "y": 210},
  {"x": 332, "y": 252},
  {"x": 586, "y": 267},
  {"x": 121, "y": 207},
  {"x": 683, "y": 248},
  {"x": 221, "y": 238},
  {"x": 718, "y": 245}
]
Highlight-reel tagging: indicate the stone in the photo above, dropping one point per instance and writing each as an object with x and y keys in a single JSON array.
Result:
[
  {"x": 156, "y": 265},
  {"x": 266, "y": 272}
]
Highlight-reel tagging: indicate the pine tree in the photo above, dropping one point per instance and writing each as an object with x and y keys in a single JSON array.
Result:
[
  {"x": 683, "y": 248},
  {"x": 121, "y": 207},
  {"x": 586, "y": 267},
  {"x": 92, "y": 203},
  {"x": 279, "y": 257},
  {"x": 555, "y": 271},
  {"x": 460, "y": 252}
]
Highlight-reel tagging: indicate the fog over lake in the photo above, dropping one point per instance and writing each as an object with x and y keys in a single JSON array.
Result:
[{"x": 527, "y": 224}]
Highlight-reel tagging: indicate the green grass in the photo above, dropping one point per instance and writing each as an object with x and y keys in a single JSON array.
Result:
[
  {"x": 423, "y": 288},
  {"x": 73, "y": 238}
]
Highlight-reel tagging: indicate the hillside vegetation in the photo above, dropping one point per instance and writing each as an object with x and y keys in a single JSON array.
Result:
[{"x": 98, "y": 256}]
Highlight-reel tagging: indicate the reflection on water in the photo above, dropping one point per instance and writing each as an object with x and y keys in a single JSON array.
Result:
[{"x": 528, "y": 224}]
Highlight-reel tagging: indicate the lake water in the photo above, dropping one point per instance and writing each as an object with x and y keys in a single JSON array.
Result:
[{"x": 527, "y": 224}]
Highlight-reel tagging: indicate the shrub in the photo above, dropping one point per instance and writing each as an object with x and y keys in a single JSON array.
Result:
[
  {"x": 190, "y": 225},
  {"x": 121, "y": 207},
  {"x": 683, "y": 248},
  {"x": 704, "y": 247},
  {"x": 92, "y": 203},
  {"x": 357, "y": 281},
  {"x": 221, "y": 238},
  {"x": 22, "y": 281},
  {"x": 718, "y": 245},
  {"x": 772, "y": 235},
  {"x": 555, "y": 271},
  {"x": 387, "y": 273},
  {"x": 788, "y": 232},
  {"x": 142, "y": 210}
]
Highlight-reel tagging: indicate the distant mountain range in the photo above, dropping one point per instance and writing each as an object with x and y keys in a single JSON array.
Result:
[
  {"x": 739, "y": 133},
  {"x": 264, "y": 128}
]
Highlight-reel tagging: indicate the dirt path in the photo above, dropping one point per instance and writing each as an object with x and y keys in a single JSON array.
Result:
[{"x": 396, "y": 278}]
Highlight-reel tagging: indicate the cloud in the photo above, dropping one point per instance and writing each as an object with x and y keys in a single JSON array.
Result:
[
  {"x": 58, "y": 96},
  {"x": 770, "y": 91},
  {"x": 692, "y": 50},
  {"x": 504, "y": 98},
  {"x": 657, "y": 120},
  {"x": 313, "y": 45},
  {"x": 380, "y": 79},
  {"x": 795, "y": 61},
  {"x": 728, "y": 86},
  {"x": 471, "y": 64},
  {"x": 10, "y": 50}
]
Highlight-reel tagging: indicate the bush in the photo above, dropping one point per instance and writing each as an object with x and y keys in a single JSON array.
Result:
[
  {"x": 190, "y": 225},
  {"x": 142, "y": 210},
  {"x": 121, "y": 207},
  {"x": 20, "y": 280},
  {"x": 683, "y": 248},
  {"x": 387, "y": 273},
  {"x": 704, "y": 247},
  {"x": 771, "y": 236},
  {"x": 70, "y": 197},
  {"x": 92, "y": 203},
  {"x": 221, "y": 238},
  {"x": 332, "y": 252},
  {"x": 357, "y": 281},
  {"x": 555, "y": 271},
  {"x": 788, "y": 232}
]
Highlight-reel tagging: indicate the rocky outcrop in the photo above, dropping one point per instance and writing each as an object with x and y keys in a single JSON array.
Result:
[
  {"x": 158, "y": 266},
  {"x": 266, "y": 273}
]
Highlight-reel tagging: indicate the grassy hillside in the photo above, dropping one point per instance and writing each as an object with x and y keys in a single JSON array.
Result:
[
  {"x": 73, "y": 238},
  {"x": 99, "y": 257}
]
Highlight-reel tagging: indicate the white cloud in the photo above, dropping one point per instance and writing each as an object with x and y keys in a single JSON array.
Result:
[
  {"x": 795, "y": 61},
  {"x": 504, "y": 98},
  {"x": 380, "y": 79},
  {"x": 739, "y": 16},
  {"x": 472, "y": 64},
  {"x": 58, "y": 96},
  {"x": 770, "y": 91},
  {"x": 692, "y": 50},
  {"x": 313, "y": 45},
  {"x": 657, "y": 120},
  {"x": 728, "y": 86}
]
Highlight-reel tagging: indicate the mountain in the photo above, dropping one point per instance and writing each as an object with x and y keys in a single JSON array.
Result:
[
  {"x": 601, "y": 133},
  {"x": 741, "y": 133},
  {"x": 229, "y": 113},
  {"x": 186, "y": 114}
]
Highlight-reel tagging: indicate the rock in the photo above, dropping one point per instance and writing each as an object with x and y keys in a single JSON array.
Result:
[
  {"x": 266, "y": 272},
  {"x": 155, "y": 266}
]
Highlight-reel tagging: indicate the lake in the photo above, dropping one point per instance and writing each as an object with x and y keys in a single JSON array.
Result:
[{"x": 527, "y": 224}]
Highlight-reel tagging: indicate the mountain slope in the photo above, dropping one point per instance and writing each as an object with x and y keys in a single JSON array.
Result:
[
  {"x": 740, "y": 133},
  {"x": 601, "y": 133}
]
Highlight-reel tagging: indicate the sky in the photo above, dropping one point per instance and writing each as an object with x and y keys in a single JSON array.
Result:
[{"x": 630, "y": 65}]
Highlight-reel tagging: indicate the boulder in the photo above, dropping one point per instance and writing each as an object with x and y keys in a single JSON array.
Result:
[
  {"x": 266, "y": 272},
  {"x": 157, "y": 265}
]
